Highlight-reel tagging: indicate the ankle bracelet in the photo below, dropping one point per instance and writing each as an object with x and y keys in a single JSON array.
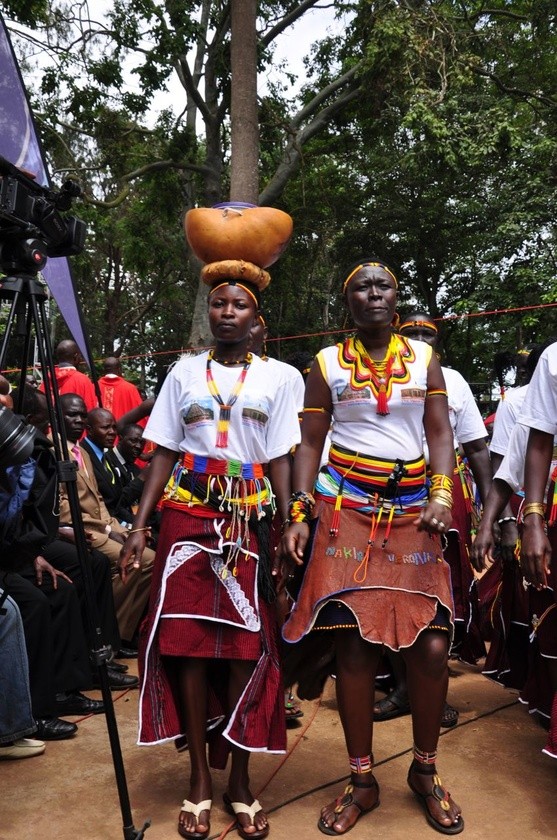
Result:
[
  {"x": 423, "y": 757},
  {"x": 363, "y": 764}
]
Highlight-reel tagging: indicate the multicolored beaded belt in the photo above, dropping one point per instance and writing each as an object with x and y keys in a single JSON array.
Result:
[
  {"x": 216, "y": 466},
  {"x": 372, "y": 474}
]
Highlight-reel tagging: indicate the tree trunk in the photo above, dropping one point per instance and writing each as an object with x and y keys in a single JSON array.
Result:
[
  {"x": 200, "y": 334},
  {"x": 244, "y": 138}
]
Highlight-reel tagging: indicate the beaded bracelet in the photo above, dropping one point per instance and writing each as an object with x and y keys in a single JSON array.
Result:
[
  {"x": 300, "y": 506},
  {"x": 441, "y": 482},
  {"x": 506, "y": 519}
]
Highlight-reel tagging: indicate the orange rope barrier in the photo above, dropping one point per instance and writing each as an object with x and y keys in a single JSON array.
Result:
[{"x": 454, "y": 317}]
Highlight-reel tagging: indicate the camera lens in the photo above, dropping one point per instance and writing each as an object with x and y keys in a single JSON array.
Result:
[{"x": 16, "y": 439}]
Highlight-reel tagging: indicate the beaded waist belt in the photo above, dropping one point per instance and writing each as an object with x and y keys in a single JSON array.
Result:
[
  {"x": 211, "y": 485},
  {"x": 374, "y": 474},
  {"x": 371, "y": 485},
  {"x": 215, "y": 466}
]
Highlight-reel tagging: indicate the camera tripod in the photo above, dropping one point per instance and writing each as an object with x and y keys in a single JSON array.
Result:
[{"x": 27, "y": 317}]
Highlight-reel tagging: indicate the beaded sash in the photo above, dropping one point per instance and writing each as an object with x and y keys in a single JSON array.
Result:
[{"x": 212, "y": 485}]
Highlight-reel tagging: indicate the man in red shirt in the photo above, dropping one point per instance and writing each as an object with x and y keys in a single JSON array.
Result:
[
  {"x": 118, "y": 395},
  {"x": 69, "y": 378}
]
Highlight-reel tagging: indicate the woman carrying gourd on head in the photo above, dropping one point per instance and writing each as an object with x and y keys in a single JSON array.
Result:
[
  {"x": 376, "y": 575},
  {"x": 208, "y": 652}
]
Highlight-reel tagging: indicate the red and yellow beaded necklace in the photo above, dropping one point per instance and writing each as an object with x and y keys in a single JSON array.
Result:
[
  {"x": 377, "y": 375},
  {"x": 223, "y": 423}
]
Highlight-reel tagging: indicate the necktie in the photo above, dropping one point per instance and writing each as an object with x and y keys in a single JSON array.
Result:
[
  {"x": 108, "y": 469},
  {"x": 78, "y": 457}
]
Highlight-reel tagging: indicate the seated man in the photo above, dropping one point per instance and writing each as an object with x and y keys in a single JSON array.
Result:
[
  {"x": 100, "y": 434},
  {"x": 57, "y": 546},
  {"x": 55, "y": 642},
  {"x": 105, "y": 533},
  {"x": 123, "y": 458}
]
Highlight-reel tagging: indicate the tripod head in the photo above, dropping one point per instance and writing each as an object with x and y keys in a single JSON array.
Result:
[{"x": 32, "y": 226}]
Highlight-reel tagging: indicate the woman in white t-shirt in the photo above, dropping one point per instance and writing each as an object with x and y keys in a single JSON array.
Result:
[
  {"x": 208, "y": 652},
  {"x": 375, "y": 575}
]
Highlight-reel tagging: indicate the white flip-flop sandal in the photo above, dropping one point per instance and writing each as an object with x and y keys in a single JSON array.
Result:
[{"x": 195, "y": 809}]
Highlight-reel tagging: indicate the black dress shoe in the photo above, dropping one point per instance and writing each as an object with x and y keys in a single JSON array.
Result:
[
  {"x": 118, "y": 666},
  {"x": 75, "y": 703},
  {"x": 116, "y": 680},
  {"x": 54, "y": 729},
  {"x": 127, "y": 653}
]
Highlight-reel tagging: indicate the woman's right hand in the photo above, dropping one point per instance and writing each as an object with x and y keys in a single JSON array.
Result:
[
  {"x": 131, "y": 553},
  {"x": 535, "y": 552},
  {"x": 293, "y": 543},
  {"x": 481, "y": 550},
  {"x": 290, "y": 552}
]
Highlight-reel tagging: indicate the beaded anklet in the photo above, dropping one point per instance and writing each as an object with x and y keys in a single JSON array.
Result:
[
  {"x": 363, "y": 764},
  {"x": 423, "y": 757}
]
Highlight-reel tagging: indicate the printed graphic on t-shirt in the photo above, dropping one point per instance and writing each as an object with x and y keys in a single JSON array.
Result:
[
  {"x": 255, "y": 411},
  {"x": 412, "y": 395},
  {"x": 198, "y": 412},
  {"x": 348, "y": 394}
]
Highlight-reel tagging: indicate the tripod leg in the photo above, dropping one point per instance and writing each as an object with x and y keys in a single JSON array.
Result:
[{"x": 100, "y": 653}]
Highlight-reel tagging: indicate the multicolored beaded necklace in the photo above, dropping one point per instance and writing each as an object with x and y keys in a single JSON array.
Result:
[
  {"x": 380, "y": 372},
  {"x": 223, "y": 423}
]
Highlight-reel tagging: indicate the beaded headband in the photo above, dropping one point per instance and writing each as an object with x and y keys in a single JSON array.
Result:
[
  {"x": 251, "y": 292},
  {"x": 429, "y": 325},
  {"x": 374, "y": 265}
]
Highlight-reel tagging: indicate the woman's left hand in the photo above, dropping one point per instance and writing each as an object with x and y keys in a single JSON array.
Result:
[{"x": 434, "y": 518}]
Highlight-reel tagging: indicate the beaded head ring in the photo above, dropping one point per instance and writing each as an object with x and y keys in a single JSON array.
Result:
[{"x": 362, "y": 263}]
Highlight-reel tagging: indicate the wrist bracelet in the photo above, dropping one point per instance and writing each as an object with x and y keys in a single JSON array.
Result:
[
  {"x": 533, "y": 507},
  {"x": 441, "y": 482},
  {"x": 441, "y": 501},
  {"x": 137, "y": 530},
  {"x": 506, "y": 519},
  {"x": 300, "y": 507}
]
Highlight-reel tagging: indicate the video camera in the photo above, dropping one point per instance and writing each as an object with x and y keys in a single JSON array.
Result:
[
  {"x": 16, "y": 439},
  {"x": 32, "y": 226}
]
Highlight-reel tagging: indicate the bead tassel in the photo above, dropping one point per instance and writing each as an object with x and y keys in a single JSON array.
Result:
[
  {"x": 223, "y": 422},
  {"x": 553, "y": 510}
]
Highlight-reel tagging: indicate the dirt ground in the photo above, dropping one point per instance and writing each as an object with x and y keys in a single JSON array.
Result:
[{"x": 491, "y": 761}]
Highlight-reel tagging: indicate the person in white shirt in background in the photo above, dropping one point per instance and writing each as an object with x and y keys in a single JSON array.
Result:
[{"x": 470, "y": 434}]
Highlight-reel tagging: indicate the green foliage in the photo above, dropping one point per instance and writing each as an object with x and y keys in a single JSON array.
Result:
[{"x": 438, "y": 153}]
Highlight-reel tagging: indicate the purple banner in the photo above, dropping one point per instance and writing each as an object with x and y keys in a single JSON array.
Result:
[{"x": 19, "y": 143}]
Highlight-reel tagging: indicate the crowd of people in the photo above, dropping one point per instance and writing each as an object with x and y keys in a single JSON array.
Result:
[
  {"x": 41, "y": 573},
  {"x": 348, "y": 510}
]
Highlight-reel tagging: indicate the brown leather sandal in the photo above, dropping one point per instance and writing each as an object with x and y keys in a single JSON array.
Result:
[{"x": 345, "y": 801}]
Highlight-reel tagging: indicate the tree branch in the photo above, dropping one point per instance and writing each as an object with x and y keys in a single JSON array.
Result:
[
  {"x": 143, "y": 170},
  {"x": 324, "y": 94},
  {"x": 191, "y": 89},
  {"x": 287, "y": 21},
  {"x": 292, "y": 156},
  {"x": 518, "y": 92}
]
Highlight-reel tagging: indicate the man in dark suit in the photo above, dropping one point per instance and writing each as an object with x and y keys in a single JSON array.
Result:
[
  {"x": 122, "y": 458},
  {"x": 104, "y": 532},
  {"x": 100, "y": 435}
]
